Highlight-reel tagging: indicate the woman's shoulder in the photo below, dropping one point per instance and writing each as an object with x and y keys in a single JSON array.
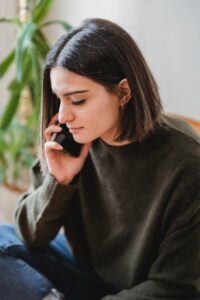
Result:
[
  {"x": 180, "y": 136},
  {"x": 175, "y": 146},
  {"x": 181, "y": 143}
]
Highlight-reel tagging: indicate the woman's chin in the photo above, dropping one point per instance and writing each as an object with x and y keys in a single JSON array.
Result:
[{"x": 82, "y": 140}]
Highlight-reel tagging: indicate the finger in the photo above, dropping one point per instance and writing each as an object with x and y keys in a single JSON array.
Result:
[
  {"x": 85, "y": 149},
  {"x": 51, "y": 145},
  {"x": 49, "y": 131}
]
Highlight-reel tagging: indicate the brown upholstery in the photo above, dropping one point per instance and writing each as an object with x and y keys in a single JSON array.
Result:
[{"x": 194, "y": 123}]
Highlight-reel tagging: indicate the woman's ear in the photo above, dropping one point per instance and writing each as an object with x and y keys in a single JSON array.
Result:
[{"x": 124, "y": 91}]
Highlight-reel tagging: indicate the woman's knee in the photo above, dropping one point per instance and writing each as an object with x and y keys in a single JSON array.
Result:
[{"x": 20, "y": 281}]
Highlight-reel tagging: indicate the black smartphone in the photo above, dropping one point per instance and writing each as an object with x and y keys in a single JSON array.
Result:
[{"x": 65, "y": 139}]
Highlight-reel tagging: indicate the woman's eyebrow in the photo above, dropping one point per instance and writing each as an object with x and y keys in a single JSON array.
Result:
[
  {"x": 75, "y": 92},
  {"x": 72, "y": 92}
]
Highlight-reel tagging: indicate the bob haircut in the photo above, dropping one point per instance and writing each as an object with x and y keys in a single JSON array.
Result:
[{"x": 104, "y": 52}]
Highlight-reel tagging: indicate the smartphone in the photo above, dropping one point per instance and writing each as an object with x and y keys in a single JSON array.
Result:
[{"x": 65, "y": 139}]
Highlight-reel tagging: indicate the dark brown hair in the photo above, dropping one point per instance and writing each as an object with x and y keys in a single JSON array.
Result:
[{"x": 106, "y": 53}]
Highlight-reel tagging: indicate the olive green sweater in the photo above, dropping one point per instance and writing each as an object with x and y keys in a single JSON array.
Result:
[{"x": 134, "y": 214}]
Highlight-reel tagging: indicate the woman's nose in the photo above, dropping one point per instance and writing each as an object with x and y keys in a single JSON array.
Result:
[{"x": 65, "y": 114}]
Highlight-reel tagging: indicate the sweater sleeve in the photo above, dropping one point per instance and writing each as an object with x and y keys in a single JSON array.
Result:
[
  {"x": 40, "y": 211},
  {"x": 175, "y": 273}
]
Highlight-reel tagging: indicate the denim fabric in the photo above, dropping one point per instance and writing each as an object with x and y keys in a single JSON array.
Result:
[
  {"x": 28, "y": 274},
  {"x": 19, "y": 281}
]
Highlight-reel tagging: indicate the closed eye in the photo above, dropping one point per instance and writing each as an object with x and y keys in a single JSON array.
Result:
[
  {"x": 74, "y": 102},
  {"x": 78, "y": 102}
]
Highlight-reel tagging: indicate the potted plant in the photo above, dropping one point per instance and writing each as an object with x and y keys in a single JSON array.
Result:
[{"x": 19, "y": 120}]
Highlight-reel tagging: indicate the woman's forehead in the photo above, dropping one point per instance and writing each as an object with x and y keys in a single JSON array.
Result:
[{"x": 64, "y": 81}]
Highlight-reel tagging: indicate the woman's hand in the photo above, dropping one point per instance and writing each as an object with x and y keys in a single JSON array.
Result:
[{"x": 60, "y": 164}]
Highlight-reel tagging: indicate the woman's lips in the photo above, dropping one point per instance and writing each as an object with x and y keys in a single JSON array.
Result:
[{"x": 74, "y": 129}]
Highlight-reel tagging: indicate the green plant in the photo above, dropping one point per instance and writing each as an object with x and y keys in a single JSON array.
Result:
[{"x": 18, "y": 129}]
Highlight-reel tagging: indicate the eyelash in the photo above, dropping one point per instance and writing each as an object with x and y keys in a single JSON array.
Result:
[{"x": 79, "y": 102}]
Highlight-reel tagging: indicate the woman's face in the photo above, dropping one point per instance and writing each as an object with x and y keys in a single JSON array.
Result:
[{"x": 86, "y": 107}]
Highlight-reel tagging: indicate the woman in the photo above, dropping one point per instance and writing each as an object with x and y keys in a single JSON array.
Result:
[{"x": 129, "y": 204}]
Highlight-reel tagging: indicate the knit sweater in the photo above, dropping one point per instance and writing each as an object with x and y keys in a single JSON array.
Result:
[{"x": 134, "y": 213}]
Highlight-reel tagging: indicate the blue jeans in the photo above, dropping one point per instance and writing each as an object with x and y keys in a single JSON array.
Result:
[{"x": 30, "y": 274}]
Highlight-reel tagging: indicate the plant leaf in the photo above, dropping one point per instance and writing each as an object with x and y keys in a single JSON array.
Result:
[
  {"x": 14, "y": 85},
  {"x": 3, "y": 144},
  {"x": 41, "y": 10},
  {"x": 41, "y": 43},
  {"x": 6, "y": 63},
  {"x": 64, "y": 24},
  {"x": 10, "y": 20},
  {"x": 23, "y": 43},
  {"x": 36, "y": 77},
  {"x": 10, "y": 110}
]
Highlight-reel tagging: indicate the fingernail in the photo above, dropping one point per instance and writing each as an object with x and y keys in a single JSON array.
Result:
[{"x": 59, "y": 146}]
